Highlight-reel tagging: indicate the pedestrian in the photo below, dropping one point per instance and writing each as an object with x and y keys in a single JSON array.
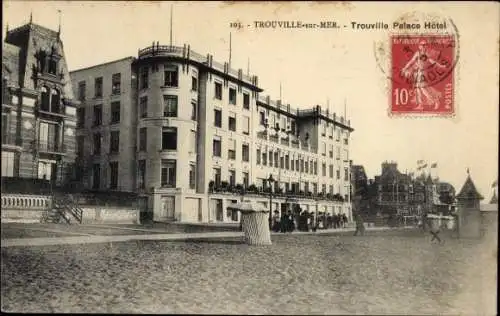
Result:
[
  {"x": 291, "y": 223},
  {"x": 360, "y": 226},
  {"x": 276, "y": 221},
  {"x": 341, "y": 220},
  {"x": 344, "y": 217},
  {"x": 435, "y": 229},
  {"x": 283, "y": 223}
]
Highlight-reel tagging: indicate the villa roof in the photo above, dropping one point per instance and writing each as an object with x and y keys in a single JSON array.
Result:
[{"x": 469, "y": 191}]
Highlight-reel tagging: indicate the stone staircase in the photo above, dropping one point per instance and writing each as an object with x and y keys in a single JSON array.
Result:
[{"x": 63, "y": 209}]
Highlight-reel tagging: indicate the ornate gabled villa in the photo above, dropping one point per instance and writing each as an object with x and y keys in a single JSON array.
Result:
[{"x": 185, "y": 134}]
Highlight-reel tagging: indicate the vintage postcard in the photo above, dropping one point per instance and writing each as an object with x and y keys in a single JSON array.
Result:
[{"x": 251, "y": 157}]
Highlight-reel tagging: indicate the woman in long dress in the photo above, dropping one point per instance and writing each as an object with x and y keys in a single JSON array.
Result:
[{"x": 416, "y": 68}]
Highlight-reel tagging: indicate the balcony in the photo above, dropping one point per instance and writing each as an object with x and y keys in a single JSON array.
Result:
[{"x": 51, "y": 147}]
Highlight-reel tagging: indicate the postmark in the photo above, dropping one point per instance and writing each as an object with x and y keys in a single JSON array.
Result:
[{"x": 422, "y": 69}]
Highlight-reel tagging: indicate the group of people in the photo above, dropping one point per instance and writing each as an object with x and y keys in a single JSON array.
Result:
[{"x": 305, "y": 221}]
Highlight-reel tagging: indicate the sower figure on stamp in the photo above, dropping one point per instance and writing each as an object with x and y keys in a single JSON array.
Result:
[{"x": 417, "y": 68}]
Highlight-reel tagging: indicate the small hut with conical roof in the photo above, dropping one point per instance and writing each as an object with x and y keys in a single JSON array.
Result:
[{"x": 469, "y": 214}]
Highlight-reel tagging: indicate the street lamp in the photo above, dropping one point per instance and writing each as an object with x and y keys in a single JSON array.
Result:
[{"x": 270, "y": 179}]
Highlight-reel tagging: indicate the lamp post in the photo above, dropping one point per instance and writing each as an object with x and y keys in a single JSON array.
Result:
[{"x": 270, "y": 179}]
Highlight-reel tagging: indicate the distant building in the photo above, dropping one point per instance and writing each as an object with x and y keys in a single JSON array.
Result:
[
  {"x": 406, "y": 195},
  {"x": 359, "y": 179},
  {"x": 38, "y": 108}
]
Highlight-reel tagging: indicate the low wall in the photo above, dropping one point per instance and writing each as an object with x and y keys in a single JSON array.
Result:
[{"x": 111, "y": 215}]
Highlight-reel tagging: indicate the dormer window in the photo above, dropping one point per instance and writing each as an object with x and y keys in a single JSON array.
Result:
[
  {"x": 50, "y": 100},
  {"x": 52, "y": 66}
]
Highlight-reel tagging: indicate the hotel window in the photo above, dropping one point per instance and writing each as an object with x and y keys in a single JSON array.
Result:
[
  {"x": 338, "y": 173},
  {"x": 217, "y": 176},
  {"x": 193, "y": 110},
  {"x": 292, "y": 164},
  {"x": 144, "y": 78},
  {"x": 171, "y": 76},
  {"x": 114, "y": 142},
  {"x": 330, "y": 189},
  {"x": 168, "y": 170},
  {"x": 331, "y": 132},
  {"x": 232, "y": 122},
  {"x": 142, "y": 174},
  {"x": 338, "y": 153},
  {"x": 306, "y": 164},
  {"x": 346, "y": 141},
  {"x": 97, "y": 144},
  {"x": 80, "y": 143},
  {"x": 324, "y": 149},
  {"x": 246, "y": 125},
  {"x": 306, "y": 187},
  {"x": 218, "y": 90},
  {"x": 315, "y": 163},
  {"x": 324, "y": 129},
  {"x": 80, "y": 117},
  {"x": 143, "y": 106},
  {"x": 346, "y": 174},
  {"x": 113, "y": 181},
  {"x": 232, "y": 96},
  {"x": 231, "y": 151},
  {"x": 323, "y": 188},
  {"x": 315, "y": 188},
  {"x": 192, "y": 142},
  {"x": 55, "y": 101},
  {"x": 271, "y": 159},
  {"x": 216, "y": 148},
  {"x": 98, "y": 87},
  {"x": 169, "y": 138},
  {"x": 96, "y": 176},
  {"x": 194, "y": 83},
  {"x": 338, "y": 135},
  {"x": 97, "y": 115},
  {"x": 296, "y": 165},
  {"x": 264, "y": 158},
  {"x": 116, "y": 83},
  {"x": 218, "y": 118},
  {"x": 192, "y": 176},
  {"x": 45, "y": 170},
  {"x": 331, "y": 171},
  {"x": 245, "y": 152},
  {"x": 262, "y": 116},
  {"x": 245, "y": 179},
  {"x": 246, "y": 101},
  {"x": 82, "y": 90},
  {"x": 170, "y": 106},
  {"x": 330, "y": 153},
  {"x": 276, "y": 159},
  {"x": 7, "y": 164},
  {"x": 115, "y": 112},
  {"x": 323, "y": 169},
  {"x": 287, "y": 162},
  {"x": 257, "y": 155},
  {"x": 293, "y": 127},
  {"x": 143, "y": 139},
  {"x": 232, "y": 177}
]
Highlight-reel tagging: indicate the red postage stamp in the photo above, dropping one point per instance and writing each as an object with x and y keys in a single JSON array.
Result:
[{"x": 422, "y": 74}]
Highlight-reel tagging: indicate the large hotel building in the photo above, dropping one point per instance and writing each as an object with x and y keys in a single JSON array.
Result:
[{"x": 191, "y": 135}]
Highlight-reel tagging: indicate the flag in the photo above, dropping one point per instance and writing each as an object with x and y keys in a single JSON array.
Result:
[
  {"x": 494, "y": 184},
  {"x": 434, "y": 165},
  {"x": 424, "y": 166}
]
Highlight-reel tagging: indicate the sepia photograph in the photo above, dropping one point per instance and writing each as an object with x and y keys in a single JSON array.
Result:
[{"x": 250, "y": 157}]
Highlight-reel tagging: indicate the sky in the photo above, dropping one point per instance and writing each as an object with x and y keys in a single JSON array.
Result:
[{"x": 315, "y": 67}]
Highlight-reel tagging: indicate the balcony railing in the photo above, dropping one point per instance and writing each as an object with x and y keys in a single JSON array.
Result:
[{"x": 51, "y": 147}]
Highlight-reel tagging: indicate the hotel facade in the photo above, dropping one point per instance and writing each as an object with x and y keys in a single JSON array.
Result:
[{"x": 190, "y": 135}]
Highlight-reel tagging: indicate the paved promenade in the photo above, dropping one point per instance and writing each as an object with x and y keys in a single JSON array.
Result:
[{"x": 84, "y": 238}]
